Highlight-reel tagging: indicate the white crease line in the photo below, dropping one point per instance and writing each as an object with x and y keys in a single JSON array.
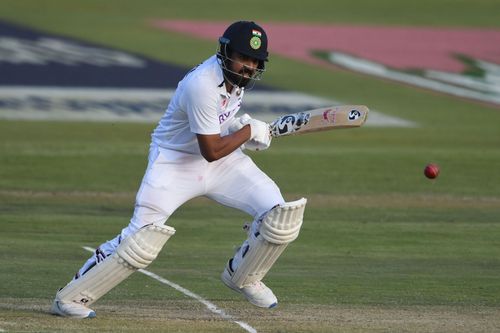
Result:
[{"x": 210, "y": 306}]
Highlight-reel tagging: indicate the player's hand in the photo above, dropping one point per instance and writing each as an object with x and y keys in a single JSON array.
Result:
[
  {"x": 238, "y": 123},
  {"x": 260, "y": 137},
  {"x": 255, "y": 142}
]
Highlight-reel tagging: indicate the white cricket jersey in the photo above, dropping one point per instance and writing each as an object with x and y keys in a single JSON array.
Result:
[{"x": 200, "y": 105}]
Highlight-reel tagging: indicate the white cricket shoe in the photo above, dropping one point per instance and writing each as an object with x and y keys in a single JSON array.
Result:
[
  {"x": 71, "y": 309},
  {"x": 256, "y": 293}
]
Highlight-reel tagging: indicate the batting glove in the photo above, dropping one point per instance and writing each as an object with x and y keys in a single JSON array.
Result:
[
  {"x": 238, "y": 123},
  {"x": 260, "y": 138}
]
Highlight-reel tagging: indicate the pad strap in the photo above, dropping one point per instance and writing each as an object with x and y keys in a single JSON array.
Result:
[
  {"x": 135, "y": 252},
  {"x": 278, "y": 228}
]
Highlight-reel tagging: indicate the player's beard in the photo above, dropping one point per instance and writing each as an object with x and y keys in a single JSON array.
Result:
[{"x": 237, "y": 79}]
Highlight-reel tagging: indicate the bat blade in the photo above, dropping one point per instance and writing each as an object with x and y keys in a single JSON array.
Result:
[{"x": 323, "y": 119}]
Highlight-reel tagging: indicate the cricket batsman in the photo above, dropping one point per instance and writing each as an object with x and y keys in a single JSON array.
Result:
[{"x": 197, "y": 150}]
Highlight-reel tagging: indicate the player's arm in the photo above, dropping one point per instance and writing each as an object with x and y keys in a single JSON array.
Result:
[
  {"x": 214, "y": 146},
  {"x": 201, "y": 107}
]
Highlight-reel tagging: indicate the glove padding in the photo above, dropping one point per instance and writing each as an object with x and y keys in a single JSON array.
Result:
[
  {"x": 237, "y": 123},
  {"x": 260, "y": 137}
]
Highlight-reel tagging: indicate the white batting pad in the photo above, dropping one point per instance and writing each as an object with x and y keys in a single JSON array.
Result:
[
  {"x": 278, "y": 228},
  {"x": 135, "y": 252}
]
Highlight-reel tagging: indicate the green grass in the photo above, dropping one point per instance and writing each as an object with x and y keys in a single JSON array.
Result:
[
  {"x": 482, "y": 13},
  {"x": 376, "y": 233},
  {"x": 378, "y": 237}
]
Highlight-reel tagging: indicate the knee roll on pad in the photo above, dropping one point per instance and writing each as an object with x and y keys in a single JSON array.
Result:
[
  {"x": 140, "y": 249},
  {"x": 135, "y": 252},
  {"x": 279, "y": 227}
]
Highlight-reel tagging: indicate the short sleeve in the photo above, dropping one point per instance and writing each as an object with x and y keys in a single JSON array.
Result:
[{"x": 201, "y": 103}]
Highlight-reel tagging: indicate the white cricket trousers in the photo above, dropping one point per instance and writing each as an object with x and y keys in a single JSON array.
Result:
[{"x": 172, "y": 178}]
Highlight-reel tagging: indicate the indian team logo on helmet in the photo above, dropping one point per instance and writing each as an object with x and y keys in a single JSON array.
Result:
[{"x": 255, "y": 41}]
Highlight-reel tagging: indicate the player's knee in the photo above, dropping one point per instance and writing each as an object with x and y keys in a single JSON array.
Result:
[
  {"x": 141, "y": 248},
  {"x": 282, "y": 225},
  {"x": 146, "y": 214}
]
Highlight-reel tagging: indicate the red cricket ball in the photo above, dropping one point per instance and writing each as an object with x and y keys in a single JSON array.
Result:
[{"x": 431, "y": 171}]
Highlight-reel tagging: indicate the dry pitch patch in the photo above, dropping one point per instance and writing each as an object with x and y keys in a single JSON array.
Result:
[{"x": 31, "y": 315}]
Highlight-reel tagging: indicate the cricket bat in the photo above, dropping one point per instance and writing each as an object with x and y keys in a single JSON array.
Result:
[{"x": 334, "y": 117}]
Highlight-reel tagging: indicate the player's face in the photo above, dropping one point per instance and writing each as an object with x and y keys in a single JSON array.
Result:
[{"x": 244, "y": 65}]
